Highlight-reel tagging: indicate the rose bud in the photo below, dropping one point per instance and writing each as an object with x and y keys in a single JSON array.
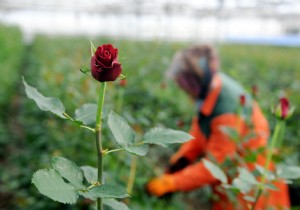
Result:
[
  {"x": 123, "y": 82},
  {"x": 283, "y": 109},
  {"x": 242, "y": 100},
  {"x": 180, "y": 123},
  {"x": 162, "y": 85},
  {"x": 254, "y": 90},
  {"x": 104, "y": 63},
  {"x": 284, "y": 106}
]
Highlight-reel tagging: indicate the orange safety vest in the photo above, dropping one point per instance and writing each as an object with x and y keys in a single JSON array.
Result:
[{"x": 219, "y": 109}]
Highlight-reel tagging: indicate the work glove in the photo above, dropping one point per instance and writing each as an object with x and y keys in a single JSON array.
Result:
[{"x": 161, "y": 186}]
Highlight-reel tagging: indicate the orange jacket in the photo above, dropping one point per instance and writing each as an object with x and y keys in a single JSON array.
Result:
[{"x": 211, "y": 140}]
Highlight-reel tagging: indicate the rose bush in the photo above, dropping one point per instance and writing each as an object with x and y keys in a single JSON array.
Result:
[{"x": 104, "y": 63}]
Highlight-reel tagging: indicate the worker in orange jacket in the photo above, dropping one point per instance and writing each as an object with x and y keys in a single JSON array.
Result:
[{"x": 217, "y": 97}]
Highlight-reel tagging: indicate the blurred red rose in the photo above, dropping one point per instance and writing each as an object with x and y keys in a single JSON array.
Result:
[
  {"x": 254, "y": 89},
  {"x": 104, "y": 64},
  {"x": 284, "y": 107},
  {"x": 123, "y": 82},
  {"x": 242, "y": 100}
]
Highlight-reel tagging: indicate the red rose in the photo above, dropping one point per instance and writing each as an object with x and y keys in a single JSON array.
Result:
[
  {"x": 123, "y": 82},
  {"x": 242, "y": 100},
  {"x": 254, "y": 90},
  {"x": 104, "y": 64},
  {"x": 180, "y": 123},
  {"x": 283, "y": 110},
  {"x": 285, "y": 107}
]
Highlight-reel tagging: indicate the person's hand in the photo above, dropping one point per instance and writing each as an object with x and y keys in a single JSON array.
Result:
[{"x": 161, "y": 185}]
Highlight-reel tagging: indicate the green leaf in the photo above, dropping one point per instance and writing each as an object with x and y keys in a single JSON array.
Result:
[
  {"x": 69, "y": 170},
  {"x": 244, "y": 187},
  {"x": 245, "y": 180},
  {"x": 270, "y": 186},
  {"x": 86, "y": 114},
  {"x": 216, "y": 171},
  {"x": 232, "y": 133},
  {"x": 53, "y": 105},
  {"x": 116, "y": 205},
  {"x": 108, "y": 191},
  {"x": 121, "y": 131},
  {"x": 250, "y": 158},
  {"x": 163, "y": 136},
  {"x": 249, "y": 198},
  {"x": 124, "y": 135},
  {"x": 269, "y": 175},
  {"x": 85, "y": 70},
  {"x": 87, "y": 194},
  {"x": 288, "y": 172},
  {"x": 247, "y": 176},
  {"x": 90, "y": 173},
  {"x": 141, "y": 150},
  {"x": 52, "y": 185},
  {"x": 93, "y": 48}
]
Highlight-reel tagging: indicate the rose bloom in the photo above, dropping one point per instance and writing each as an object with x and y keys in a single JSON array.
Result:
[
  {"x": 285, "y": 107},
  {"x": 254, "y": 89},
  {"x": 242, "y": 100},
  {"x": 123, "y": 82},
  {"x": 104, "y": 64}
]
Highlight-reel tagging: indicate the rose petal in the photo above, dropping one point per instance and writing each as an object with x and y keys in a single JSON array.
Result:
[
  {"x": 110, "y": 74},
  {"x": 284, "y": 105},
  {"x": 104, "y": 64}
]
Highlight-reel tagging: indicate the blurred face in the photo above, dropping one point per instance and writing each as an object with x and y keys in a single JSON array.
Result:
[{"x": 190, "y": 83}]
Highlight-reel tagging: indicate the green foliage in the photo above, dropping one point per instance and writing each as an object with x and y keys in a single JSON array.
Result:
[
  {"x": 86, "y": 114},
  {"x": 165, "y": 137},
  {"x": 29, "y": 136},
  {"x": 90, "y": 173},
  {"x": 116, "y": 205},
  {"x": 216, "y": 171},
  {"x": 68, "y": 170},
  {"x": 124, "y": 135},
  {"x": 51, "y": 184},
  {"x": 108, "y": 191},
  {"x": 288, "y": 172},
  {"x": 12, "y": 63},
  {"x": 232, "y": 133},
  {"x": 53, "y": 105},
  {"x": 245, "y": 181}
]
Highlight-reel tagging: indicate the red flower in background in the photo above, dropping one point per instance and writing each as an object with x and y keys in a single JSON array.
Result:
[
  {"x": 104, "y": 64},
  {"x": 123, "y": 82},
  {"x": 180, "y": 123},
  {"x": 283, "y": 110},
  {"x": 242, "y": 100},
  {"x": 254, "y": 90},
  {"x": 284, "y": 107}
]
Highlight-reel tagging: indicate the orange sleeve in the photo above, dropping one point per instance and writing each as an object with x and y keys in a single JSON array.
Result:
[
  {"x": 193, "y": 148},
  {"x": 219, "y": 145}
]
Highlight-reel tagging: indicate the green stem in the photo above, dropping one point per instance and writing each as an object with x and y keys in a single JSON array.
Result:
[
  {"x": 113, "y": 150},
  {"x": 256, "y": 198},
  {"x": 73, "y": 120},
  {"x": 270, "y": 150},
  {"x": 132, "y": 175},
  {"x": 88, "y": 128},
  {"x": 98, "y": 138},
  {"x": 268, "y": 161}
]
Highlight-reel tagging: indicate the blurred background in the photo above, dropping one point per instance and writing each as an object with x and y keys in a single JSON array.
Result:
[{"x": 48, "y": 41}]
